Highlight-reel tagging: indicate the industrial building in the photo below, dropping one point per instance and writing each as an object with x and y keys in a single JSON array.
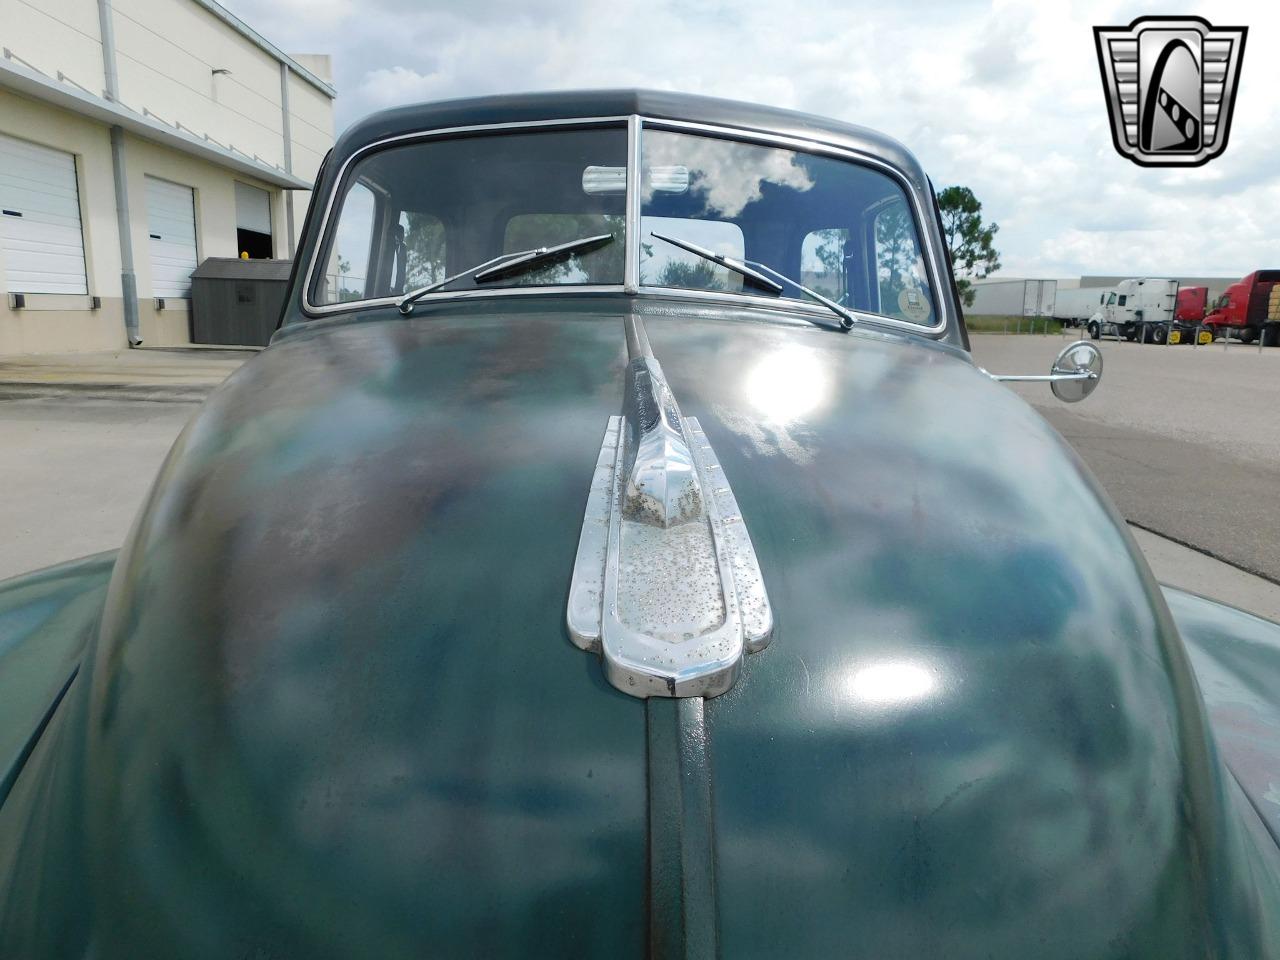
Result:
[{"x": 137, "y": 138}]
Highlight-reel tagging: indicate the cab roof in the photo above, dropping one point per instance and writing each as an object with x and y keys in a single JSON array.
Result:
[{"x": 657, "y": 104}]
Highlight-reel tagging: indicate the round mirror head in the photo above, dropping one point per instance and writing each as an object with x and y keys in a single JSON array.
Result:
[{"x": 1081, "y": 357}]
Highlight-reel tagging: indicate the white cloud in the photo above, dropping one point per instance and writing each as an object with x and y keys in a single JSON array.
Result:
[{"x": 1004, "y": 97}]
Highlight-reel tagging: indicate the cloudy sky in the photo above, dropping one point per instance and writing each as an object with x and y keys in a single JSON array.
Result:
[{"x": 1004, "y": 97}]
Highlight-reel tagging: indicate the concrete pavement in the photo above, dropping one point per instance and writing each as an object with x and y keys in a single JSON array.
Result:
[
  {"x": 1187, "y": 569},
  {"x": 81, "y": 438},
  {"x": 1186, "y": 440},
  {"x": 74, "y": 472},
  {"x": 186, "y": 373}
]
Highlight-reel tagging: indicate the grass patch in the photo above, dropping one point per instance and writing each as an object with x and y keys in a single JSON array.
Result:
[{"x": 985, "y": 323}]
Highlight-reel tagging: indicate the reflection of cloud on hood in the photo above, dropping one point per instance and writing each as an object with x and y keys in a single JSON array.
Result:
[{"x": 727, "y": 175}]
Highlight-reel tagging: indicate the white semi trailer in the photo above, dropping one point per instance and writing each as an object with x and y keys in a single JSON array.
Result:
[
  {"x": 1013, "y": 298},
  {"x": 1075, "y": 306}
]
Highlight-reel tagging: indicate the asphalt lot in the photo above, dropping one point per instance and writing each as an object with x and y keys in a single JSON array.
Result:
[{"x": 1186, "y": 440}]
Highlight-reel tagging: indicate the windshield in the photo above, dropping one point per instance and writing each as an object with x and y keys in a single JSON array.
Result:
[
  {"x": 432, "y": 213},
  {"x": 415, "y": 214},
  {"x": 841, "y": 229}
]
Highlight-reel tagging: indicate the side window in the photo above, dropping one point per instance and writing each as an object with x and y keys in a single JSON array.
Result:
[
  {"x": 1111, "y": 299},
  {"x": 900, "y": 272},
  {"x": 665, "y": 265},
  {"x": 822, "y": 263},
  {"x": 346, "y": 273},
  {"x": 424, "y": 252},
  {"x": 1123, "y": 298}
]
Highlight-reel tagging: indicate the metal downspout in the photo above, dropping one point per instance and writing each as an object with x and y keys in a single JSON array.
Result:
[
  {"x": 128, "y": 279},
  {"x": 287, "y": 129}
]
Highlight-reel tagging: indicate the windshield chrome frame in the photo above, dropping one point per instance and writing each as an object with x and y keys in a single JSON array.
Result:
[{"x": 631, "y": 285}]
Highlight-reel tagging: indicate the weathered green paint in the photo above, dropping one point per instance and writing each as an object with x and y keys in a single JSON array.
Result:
[
  {"x": 682, "y": 903},
  {"x": 327, "y": 707},
  {"x": 1237, "y": 662},
  {"x": 334, "y": 711},
  {"x": 374, "y": 737},
  {"x": 1040, "y": 755},
  {"x": 47, "y": 620}
]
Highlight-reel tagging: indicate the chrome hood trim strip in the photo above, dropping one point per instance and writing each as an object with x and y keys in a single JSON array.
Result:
[{"x": 666, "y": 586}]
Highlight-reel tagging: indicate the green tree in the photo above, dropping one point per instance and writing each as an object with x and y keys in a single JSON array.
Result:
[
  {"x": 602, "y": 265},
  {"x": 829, "y": 254},
  {"x": 700, "y": 275},
  {"x": 970, "y": 241},
  {"x": 896, "y": 252},
  {"x": 424, "y": 249}
]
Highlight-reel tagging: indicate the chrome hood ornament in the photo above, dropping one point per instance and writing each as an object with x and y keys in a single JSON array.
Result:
[{"x": 666, "y": 586}]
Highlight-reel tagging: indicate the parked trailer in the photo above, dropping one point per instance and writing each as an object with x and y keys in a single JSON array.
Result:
[
  {"x": 1075, "y": 306},
  {"x": 1250, "y": 308},
  {"x": 1014, "y": 298},
  {"x": 1141, "y": 308}
]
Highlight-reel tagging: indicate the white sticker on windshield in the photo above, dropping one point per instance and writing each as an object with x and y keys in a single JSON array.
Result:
[{"x": 913, "y": 305}]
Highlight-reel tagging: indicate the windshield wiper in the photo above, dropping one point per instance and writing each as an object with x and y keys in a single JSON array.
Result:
[
  {"x": 751, "y": 269},
  {"x": 509, "y": 265},
  {"x": 847, "y": 319},
  {"x": 737, "y": 266}
]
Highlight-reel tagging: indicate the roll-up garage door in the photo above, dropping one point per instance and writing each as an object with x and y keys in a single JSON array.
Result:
[
  {"x": 253, "y": 209},
  {"x": 41, "y": 243},
  {"x": 253, "y": 221},
  {"x": 171, "y": 222}
]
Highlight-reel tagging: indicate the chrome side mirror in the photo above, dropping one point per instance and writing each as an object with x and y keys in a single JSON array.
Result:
[{"x": 1076, "y": 372}]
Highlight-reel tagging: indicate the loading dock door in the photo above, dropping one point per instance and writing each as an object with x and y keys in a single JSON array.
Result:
[
  {"x": 41, "y": 243},
  {"x": 171, "y": 224},
  {"x": 253, "y": 222}
]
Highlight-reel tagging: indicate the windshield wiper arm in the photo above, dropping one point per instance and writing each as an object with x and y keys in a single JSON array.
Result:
[
  {"x": 737, "y": 266},
  {"x": 847, "y": 319},
  {"x": 508, "y": 265},
  {"x": 540, "y": 257},
  {"x": 751, "y": 269}
]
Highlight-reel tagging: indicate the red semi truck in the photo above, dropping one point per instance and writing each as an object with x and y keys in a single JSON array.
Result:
[
  {"x": 1191, "y": 304},
  {"x": 1249, "y": 309}
]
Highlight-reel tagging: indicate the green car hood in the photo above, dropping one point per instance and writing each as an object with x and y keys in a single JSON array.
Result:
[{"x": 333, "y": 710}]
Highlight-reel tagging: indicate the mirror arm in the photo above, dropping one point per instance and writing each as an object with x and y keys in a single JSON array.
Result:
[{"x": 1038, "y": 378}]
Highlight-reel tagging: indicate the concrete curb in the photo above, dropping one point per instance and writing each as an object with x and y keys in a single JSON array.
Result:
[{"x": 166, "y": 393}]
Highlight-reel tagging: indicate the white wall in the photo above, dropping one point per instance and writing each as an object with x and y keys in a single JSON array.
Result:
[
  {"x": 53, "y": 35},
  {"x": 166, "y": 52},
  {"x": 215, "y": 210},
  {"x": 66, "y": 320}
]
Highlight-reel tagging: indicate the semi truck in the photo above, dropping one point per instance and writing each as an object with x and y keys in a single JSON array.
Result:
[
  {"x": 1192, "y": 302},
  {"x": 1142, "y": 307},
  {"x": 1249, "y": 309}
]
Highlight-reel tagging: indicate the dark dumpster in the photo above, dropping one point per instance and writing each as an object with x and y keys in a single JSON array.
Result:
[{"x": 237, "y": 302}]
